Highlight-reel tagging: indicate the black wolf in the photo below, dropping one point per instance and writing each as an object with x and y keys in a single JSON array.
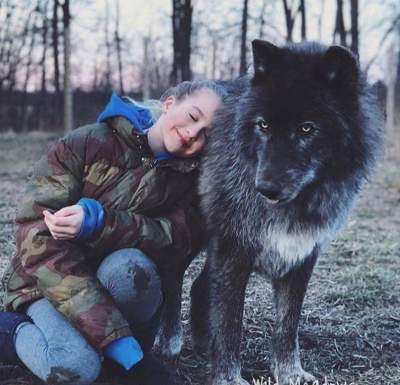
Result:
[{"x": 287, "y": 157}]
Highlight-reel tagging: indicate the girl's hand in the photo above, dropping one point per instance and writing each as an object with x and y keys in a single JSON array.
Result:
[{"x": 64, "y": 224}]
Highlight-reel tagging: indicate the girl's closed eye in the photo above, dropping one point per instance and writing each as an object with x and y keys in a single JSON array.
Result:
[{"x": 193, "y": 118}]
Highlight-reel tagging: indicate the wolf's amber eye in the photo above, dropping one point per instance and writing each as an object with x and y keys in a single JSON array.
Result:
[
  {"x": 307, "y": 127},
  {"x": 263, "y": 125}
]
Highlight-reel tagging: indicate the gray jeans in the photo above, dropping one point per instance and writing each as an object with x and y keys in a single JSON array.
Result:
[{"x": 58, "y": 354}]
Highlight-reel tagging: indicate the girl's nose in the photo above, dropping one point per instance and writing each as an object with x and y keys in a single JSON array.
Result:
[{"x": 193, "y": 131}]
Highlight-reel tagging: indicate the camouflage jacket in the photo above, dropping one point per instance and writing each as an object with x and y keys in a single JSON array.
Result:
[{"x": 149, "y": 205}]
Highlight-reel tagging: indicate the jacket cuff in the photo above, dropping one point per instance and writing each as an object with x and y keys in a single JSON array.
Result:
[
  {"x": 126, "y": 351},
  {"x": 93, "y": 218}
]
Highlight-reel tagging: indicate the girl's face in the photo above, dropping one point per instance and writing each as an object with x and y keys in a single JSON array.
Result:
[{"x": 185, "y": 124}]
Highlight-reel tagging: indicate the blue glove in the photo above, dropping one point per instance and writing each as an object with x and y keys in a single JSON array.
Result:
[
  {"x": 93, "y": 218},
  {"x": 126, "y": 351}
]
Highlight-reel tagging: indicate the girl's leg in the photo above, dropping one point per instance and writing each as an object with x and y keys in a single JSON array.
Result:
[
  {"x": 133, "y": 281},
  {"x": 54, "y": 350}
]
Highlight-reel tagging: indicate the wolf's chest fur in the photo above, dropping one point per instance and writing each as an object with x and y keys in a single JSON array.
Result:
[
  {"x": 277, "y": 238},
  {"x": 281, "y": 250}
]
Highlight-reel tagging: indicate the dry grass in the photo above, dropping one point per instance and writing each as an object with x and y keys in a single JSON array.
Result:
[{"x": 350, "y": 329}]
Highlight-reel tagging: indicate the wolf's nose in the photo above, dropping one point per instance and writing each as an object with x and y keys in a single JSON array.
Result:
[{"x": 269, "y": 190}]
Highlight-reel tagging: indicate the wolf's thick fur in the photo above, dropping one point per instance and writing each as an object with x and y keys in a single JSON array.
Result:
[{"x": 287, "y": 157}]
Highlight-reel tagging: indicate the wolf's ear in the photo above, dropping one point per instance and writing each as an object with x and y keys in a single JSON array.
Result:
[
  {"x": 339, "y": 67},
  {"x": 265, "y": 56}
]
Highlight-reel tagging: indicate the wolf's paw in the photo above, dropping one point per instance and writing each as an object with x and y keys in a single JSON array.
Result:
[
  {"x": 169, "y": 344},
  {"x": 236, "y": 381},
  {"x": 296, "y": 376}
]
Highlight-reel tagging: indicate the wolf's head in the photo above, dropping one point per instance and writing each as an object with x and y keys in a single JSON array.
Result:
[{"x": 302, "y": 119}]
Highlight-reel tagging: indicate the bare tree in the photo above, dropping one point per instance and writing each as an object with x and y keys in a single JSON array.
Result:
[
  {"x": 340, "y": 30},
  {"x": 42, "y": 64},
  {"x": 354, "y": 26},
  {"x": 118, "y": 47},
  {"x": 303, "y": 19},
  {"x": 14, "y": 43},
  {"x": 56, "y": 50},
  {"x": 291, "y": 13},
  {"x": 396, "y": 96},
  {"x": 44, "y": 32},
  {"x": 5, "y": 44},
  {"x": 108, "y": 86},
  {"x": 392, "y": 27},
  {"x": 28, "y": 68},
  {"x": 243, "y": 45},
  {"x": 68, "y": 108},
  {"x": 214, "y": 58},
  {"x": 391, "y": 81},
  {"x": 289, "y": 19},
  {"x": 160, "y": 76},
  {"x": 16, "y": 48},
  {"x": 182, "y": 11},
  {"x": 320, "y": 16},
  {"x": 95, "y": 82},
  {"x": 145, "y": 68},
  {"x": 262, "y": 19}
]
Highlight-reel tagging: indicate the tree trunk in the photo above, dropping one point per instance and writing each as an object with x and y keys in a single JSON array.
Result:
[
  {"x": 339, "y": 25},
  {"x": 243, "y": 48},
  {"x": 146, "y": 69},
  {"x": 396, "y": 96},
  {"x": 68, "y": 108},
  {"x": 23, "y": 117},
  {"x": 108, "y": 86},
  {"x": 181, "y": 27},
  {"x": 43, "y": 88},
  {"x": 289, "y": 19},
  {"x": 303, "y": 20},
  {"x": 262, "y": 20},
  {"x": 95, "y": 82},
  {"x": 13, "y": 61},
  {"x": 354, "y": 26},
  {"x": 56, "y": 52},
  {"x": 118, "y": 47},
  {"x": 214, "y": 58},
  {"x": 5, "y": 39},
  {"x": 320, "y": 17},
  {"x": 391, "y": 80}
]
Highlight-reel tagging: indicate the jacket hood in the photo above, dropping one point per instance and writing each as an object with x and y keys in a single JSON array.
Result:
[{"x": 139, "y": 116}]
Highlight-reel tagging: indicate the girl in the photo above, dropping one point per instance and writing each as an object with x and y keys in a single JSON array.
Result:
[{"x": 108, "y": 205}]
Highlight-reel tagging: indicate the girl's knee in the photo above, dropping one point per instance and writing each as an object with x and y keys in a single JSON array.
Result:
[
  {"x": 133, "y": 281},
  {"x": 128, "y": 269},
  {"x": 117, "y": 262},
  {"x": 75, "y": 369}
]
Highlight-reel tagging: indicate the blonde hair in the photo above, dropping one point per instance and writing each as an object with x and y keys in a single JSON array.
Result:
[
  {"x": 180, "y": 91},
  {"x": 186, "y": 88}
]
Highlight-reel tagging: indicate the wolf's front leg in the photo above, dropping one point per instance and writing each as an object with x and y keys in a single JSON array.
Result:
[
  {"x": 200, "y": 312},
  {"x": 169, "y": 339},
  {"x": 228, "y": 273},
  {"x": 289, "y": 293}
]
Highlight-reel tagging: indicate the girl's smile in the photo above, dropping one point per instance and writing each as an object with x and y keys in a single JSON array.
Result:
[
  {"x": 182, "y": 127},
  {"x": 184, "y": 142}
]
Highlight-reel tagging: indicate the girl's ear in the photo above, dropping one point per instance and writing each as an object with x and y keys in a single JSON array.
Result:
[{"x": 168, "y": 103}]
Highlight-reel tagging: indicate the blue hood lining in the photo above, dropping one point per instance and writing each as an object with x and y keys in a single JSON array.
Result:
[{"x": 140, "y": 118}]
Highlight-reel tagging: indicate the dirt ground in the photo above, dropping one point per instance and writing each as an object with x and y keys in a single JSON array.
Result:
[{"x": 350, "y": 326}]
